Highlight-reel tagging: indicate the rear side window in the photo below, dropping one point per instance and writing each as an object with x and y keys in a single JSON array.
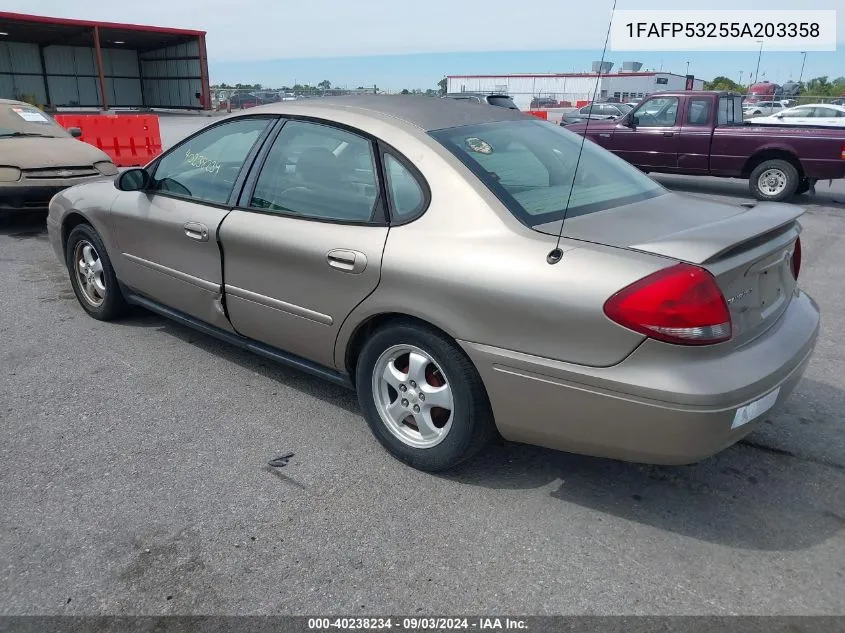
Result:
[
  {"x": 730, "y": 111},
  {"x": 531, "y": 167},
  {"x": 698, "y": 112},
  {"x": 405, "y": 191},
  {"x": 318, "y": 171}
]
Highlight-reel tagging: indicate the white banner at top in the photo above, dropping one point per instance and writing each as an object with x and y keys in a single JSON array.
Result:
[{"x": 684, "y": 30}]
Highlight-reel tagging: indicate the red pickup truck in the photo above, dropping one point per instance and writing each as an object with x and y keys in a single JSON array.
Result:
[{"x": 703, "y": 133}]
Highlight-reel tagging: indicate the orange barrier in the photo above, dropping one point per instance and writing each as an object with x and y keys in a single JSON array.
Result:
[
  {"x": 540, "y": 114},
  {"x": 581, "y": 104},
  {"x": 130, "y": 140}
]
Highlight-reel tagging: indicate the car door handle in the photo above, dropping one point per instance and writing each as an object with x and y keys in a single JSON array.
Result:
[
  {"x": 196, "y": 231},
  {"x": 347, "y": 261},
  {"x": 668, "y": 134}
]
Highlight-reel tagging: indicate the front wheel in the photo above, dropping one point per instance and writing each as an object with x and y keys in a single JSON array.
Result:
[
  {"x": 422, "y": 397},
  {"x": 92, "y": 275},
  {"x": 774, "y": 180}
]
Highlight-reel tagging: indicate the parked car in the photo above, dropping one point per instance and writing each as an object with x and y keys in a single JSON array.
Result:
[
  {"x": 499, "y": 100},
  {"x": 704, "y": 133},
  {"x": 244, "y": 100},
  {"x": 543, "y": 102},
  {"x": 840, "y": 102},
  {"x": 762, "y": 108},
  {"x": 812, "y": 114},
  {"x": 595, "y": 111},
  {"x": 631, "y": 323},
  {"x": 39, "y": 158}
]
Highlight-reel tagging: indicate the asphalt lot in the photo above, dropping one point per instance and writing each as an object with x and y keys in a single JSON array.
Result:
[{"x": 133, "y": 480}]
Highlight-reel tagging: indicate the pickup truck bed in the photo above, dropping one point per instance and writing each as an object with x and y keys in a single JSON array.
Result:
[{"x": 702, "y": 133}]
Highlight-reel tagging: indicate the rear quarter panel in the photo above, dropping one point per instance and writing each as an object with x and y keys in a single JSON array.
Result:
[{"x": 468, "y": 267}]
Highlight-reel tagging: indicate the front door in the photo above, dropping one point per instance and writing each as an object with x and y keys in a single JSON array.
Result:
[
  {"x": 305, "y": 245},
  {"x": 167, "y": 235},
  {"x": 653, "y": 142}
]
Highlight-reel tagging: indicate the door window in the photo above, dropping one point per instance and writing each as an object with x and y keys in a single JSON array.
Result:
[
  {"x": 798, "y": 113},
  {"x": 826, "y": 113},
  {"x": 205, "y": 167},
  {"x": 659, "y": 112},
  {"x": 730, "y": 111},
  {"x": 699, "y": 112},
  {"x": 406, "y": 193},
  {"x": 318, "y": 171}
]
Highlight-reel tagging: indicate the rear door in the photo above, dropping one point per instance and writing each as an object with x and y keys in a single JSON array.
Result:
[
  {"x": 304, "y": 246},
  {"x": 167, "y": 235},
  {"x": 695, "y": 135},
  {"x": 654, "y": 141}
]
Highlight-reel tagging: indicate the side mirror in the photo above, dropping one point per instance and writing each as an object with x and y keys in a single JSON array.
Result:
[
  {"x": 133, "y": 180},
  {"x": 634, "y": 121},
  {"x": 75, "y": 132}
]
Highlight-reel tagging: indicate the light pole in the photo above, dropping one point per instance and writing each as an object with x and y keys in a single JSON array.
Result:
[
  {"x": 688, "y": 67},
  {"x": 759, "y": 55},
  {"x": 740, "y": 77},
  {"x": 801, "y": 74}
]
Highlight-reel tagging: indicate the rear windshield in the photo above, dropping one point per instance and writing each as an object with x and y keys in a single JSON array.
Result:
[
  {"x": 530, "y": 166},
  {"x": 502, "y": 102}
]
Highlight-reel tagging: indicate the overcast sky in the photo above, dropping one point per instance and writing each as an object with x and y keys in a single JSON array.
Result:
[{"x": 252, "y": 30}]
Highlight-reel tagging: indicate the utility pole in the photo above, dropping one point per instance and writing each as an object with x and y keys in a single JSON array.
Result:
[
  {"x": 759, "y": 55},
  {"x": 801, "y": 75},
  {"x": 688, "y": 67},
  {"x": 740, "y": 77}
]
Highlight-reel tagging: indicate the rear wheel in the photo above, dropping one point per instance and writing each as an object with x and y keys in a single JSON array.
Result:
[
  {"x": 422, "y": 397},
  {"x": 774, "y": 180},
  {"x": 92, "y": 275}
]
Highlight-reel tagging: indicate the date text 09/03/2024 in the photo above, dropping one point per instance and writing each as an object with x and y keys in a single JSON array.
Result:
[{"x": 416, "y": 623}]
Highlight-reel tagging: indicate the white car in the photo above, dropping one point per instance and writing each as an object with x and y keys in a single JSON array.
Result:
[
  {"x": 762, "y": 108},
  {"x": 814, "y": 114}
]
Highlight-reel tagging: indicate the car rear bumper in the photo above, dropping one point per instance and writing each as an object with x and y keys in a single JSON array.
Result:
[{"x": 663, "y": 404}]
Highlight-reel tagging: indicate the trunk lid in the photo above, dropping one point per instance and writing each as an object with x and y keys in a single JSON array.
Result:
[{"x": 748, "y": 248}]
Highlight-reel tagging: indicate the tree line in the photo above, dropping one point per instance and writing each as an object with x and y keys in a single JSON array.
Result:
[
  {"x": 326, "y": 86},
  {"x": 816, "y": 87}
]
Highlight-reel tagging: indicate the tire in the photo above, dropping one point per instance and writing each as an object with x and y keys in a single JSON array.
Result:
[
  {"x": 451, "y": 435},
  {"x": 96, "y": 286},
  {"x": 774, "y": 180},
  {"x": 803, "y": 187}
]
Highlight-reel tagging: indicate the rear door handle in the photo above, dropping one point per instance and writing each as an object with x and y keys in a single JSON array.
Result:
[
  {"x": 196, "y": 231},
  {"x": 347, "y": 261}
]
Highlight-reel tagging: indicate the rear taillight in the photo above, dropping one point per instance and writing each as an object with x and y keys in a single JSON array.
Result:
[
  {"x": 842, "y": 150},
  {"x": 681, "y": 304},
  {"x": 796, "y": 259}
]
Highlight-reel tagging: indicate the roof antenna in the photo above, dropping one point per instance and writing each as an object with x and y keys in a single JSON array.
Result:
[{"x": 555, "y": 255}]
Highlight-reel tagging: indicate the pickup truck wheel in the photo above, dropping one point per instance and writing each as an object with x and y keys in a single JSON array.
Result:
[{"x": 774, "y": 180}]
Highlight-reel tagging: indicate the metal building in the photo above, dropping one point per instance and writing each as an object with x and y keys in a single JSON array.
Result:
[
  {"x": 55, "y": 62},
  {"x": 571, "y": 88}
]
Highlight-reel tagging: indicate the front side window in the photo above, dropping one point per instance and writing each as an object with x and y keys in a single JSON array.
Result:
[
  {"x": 531, "y": 167},
  {"x": 658, "y": 112},
  {"x": 205, "y": 167},
  {"x": 318, "y": 171},
  {"x": 826, "y": 113}
]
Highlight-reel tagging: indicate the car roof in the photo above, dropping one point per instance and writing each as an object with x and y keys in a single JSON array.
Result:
[
  {"x": 15, "y": 102},
  {"x": 426, "y": 113}
]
